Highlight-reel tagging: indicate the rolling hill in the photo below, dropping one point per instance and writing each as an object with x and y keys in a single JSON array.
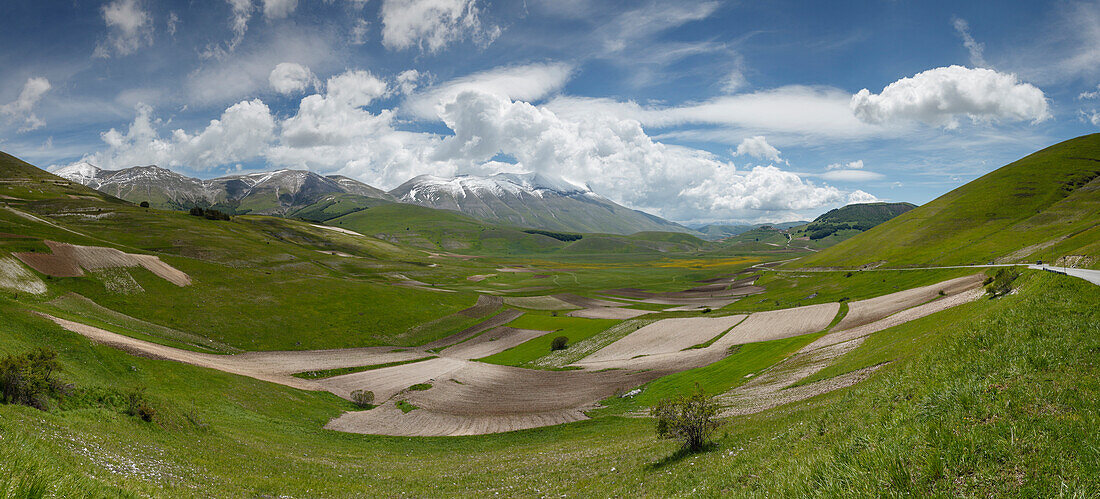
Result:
[{"x": 1044, "y": 206}]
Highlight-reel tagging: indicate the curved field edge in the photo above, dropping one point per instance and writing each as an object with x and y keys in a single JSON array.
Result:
[{"x": 1001, "y": 401}]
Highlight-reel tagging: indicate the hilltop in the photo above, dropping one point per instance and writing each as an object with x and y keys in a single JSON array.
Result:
[{"x": 1045, "y": 206}]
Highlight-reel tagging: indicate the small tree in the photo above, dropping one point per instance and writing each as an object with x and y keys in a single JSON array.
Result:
[
  {"x": 559, "y": 343},
  {"x": 1002, "y": 281},
  {"x": 144, "y": 204},
  {"x": 363, "y": 398},
  {"x": 690, "y": 420},
  {"x": 28, "y": 379}
]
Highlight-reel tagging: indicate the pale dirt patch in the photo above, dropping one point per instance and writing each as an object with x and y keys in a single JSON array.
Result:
[
  {"x": 337, "y": 229},
  {"x": 163, "y": 270},
  {"x": 584, "y": 348},
  {"x": 15, "y": 276},
  {"x": 389, "y": 420},
  {"x": 1019, "y": 254},
  {"x": 493, "y": 341},
  {"x": 665, "y": 336},
  {"x": 515, "y": 270},
  {"x": 336, "y": 253},
  {"x": 539, "y": 303},
  {"x": 866, "y": 311},
  {"x": 479, "y": 277},
  {"x": 609, "y": 313}
]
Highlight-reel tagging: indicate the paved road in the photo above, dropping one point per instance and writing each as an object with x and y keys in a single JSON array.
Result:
[{"x": 1092, "y": 276}]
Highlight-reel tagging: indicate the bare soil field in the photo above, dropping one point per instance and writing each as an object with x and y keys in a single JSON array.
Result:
[
  {"x": 841, "y": 335},
  {"x": 70, "y": 260},
  {"x": 494, "y": 321},
  {"x": 585, "y": 302},
  {"x": 539, "y": 303},
  {"x": 389, "y": 420},
  {"x": 490, "y": 342},
  {"x": 486, "y": 305},
  {"x": 609, "y": 313},
  {"x": 866, "y": 311},
  {"x": 666, "y": 336},
  {"x": 776, "y": 324}
]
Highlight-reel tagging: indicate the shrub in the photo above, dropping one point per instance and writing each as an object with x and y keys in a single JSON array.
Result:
[
  {"x": 196, "y": 212},
  {"x": 363, "y": 398},
  {"x": 1002, "y": 281},
  {"x": 419, "y": 387},
  {"x": 559, "y": 343},
  {"x": 689, "y": 420},
  {"x": 144, "y": 204},
  {"x": 28, "y": 379},
  {"x": 138, "y": 406}
]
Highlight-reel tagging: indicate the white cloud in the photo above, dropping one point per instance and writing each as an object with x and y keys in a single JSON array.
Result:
[
  {"x": 853, "y": 175},
  {"x": 939, "y": 96},
  {"x": 129, "y": 27},
  {"x": 859, "y": 196},
  {"x": 652, "y": 19},
  {"x": 240, "y": 12},
  {"x": 172, "y": 24},
  {"x": 759, "y": 148},
  {"x": 279, "y": 9},
  {"x": 408, "y": 80},
  {"x": 246, "y": 73},
  {"x": 359, "y": 32},
  {"x": 243, "y": 132},
  {"x": 734, "y": 81},
  {"x": 1091, "y": 117},
  {"x": 431, "y": 25},
  {"x": 22, "y": 108},
  {"x": 1090, "y": 95},
  {"x": 795, "y": 111},
  {"x": 852, "y": 165},
  {"x": 529, "y": 83},
  {"x": 288, "y": 78},
  {"x": 976, "y": 49}
]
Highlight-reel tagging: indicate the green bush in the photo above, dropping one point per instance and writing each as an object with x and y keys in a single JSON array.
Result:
[
  {"x": 1002, "y": 281},
  {"x": 689, "y": 420},
  {"x": 559, "y": 343},
  {"x": 144, "y": 204},
  {"x": 28, "y": 379},
  {"x": 138, "y": 406},
  {"x": 363, "y": 398}
]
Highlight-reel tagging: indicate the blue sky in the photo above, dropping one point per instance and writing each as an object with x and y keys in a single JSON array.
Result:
[{"x": 696, "y": 111}]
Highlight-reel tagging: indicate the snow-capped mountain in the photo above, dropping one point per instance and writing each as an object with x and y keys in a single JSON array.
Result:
[
  {"x": 274, "y": 193},
  {"x": 530, "y": 200}
]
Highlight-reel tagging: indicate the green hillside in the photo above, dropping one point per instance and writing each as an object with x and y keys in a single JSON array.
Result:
[{"x": 1044, "y": 206}]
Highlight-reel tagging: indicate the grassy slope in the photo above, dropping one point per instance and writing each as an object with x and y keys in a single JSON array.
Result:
[
  {"x": 1032, "y": 201},
  {"x": 1000, "y": 400}
]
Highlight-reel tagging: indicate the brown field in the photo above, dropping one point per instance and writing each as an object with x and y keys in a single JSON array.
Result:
[
  {"x": 68, "y": 260},
  {"x": 609, "y": 313},
  {"x": 494, "y": 321},
  {"x": 490, "y": 342},
  {"x": 539, "y": 303},
  {"x": 866, "y": 311},
  {"x": 666, "y": 336}
]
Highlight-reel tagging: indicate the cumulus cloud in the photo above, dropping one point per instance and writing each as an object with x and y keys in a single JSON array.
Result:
[
  {"x": 279, "y": 9},
  {"x": 859, "y": 196},
  {"x": 129, "y": 27},
  {"x": 288, "y": 78},
  {"x": 977, "y": 57},
  {"x": 939, "y": 96},
  {"x": 22, "y": 108},
  {"x": 529, "y": 82},
  {"x": 333, "y": 131},
  {"x": 431, "y": 25},
  {"x": 243, "y": 132},
  {"x": 759, "y": 148}
]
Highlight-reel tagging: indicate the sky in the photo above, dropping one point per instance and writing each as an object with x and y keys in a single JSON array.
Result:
[{"x": 696, "y": 111}]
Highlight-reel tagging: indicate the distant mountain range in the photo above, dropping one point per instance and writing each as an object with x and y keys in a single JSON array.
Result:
[{"x": 523, "y": 200}]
